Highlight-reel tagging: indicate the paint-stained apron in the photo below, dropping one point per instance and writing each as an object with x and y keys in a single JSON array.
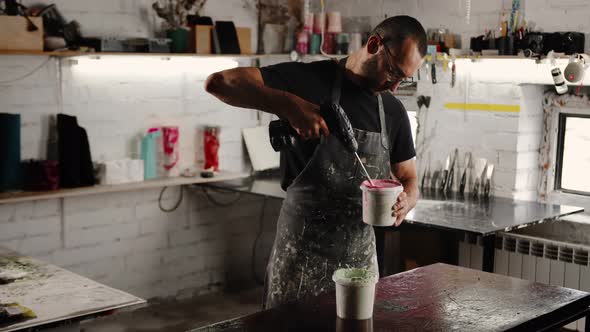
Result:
[{"x": 320, "y": 227}]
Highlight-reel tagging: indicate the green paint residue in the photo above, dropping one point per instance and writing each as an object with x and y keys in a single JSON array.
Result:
[
  {"x": 393, "y": 307},
  {"x": 354, "y": 276}
]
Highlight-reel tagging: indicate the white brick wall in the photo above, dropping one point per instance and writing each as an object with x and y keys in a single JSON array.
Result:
[
  {"x": 133, "y": 246},
  {"x": 123, "y": 239}
]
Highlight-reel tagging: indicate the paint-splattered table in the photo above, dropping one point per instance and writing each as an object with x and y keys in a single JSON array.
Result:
[
  {"x": 59, "y": 298},
  {"x": 437, "y": 297}
]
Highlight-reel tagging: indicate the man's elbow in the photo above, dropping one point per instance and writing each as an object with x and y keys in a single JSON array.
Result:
[{"x": 214, "y": 83}]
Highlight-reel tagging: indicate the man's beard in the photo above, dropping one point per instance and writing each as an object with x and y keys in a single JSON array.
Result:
[{"x": 371, "y": 73}]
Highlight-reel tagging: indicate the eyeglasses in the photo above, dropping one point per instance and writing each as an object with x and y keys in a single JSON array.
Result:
[{"x": 394, "y": 71}]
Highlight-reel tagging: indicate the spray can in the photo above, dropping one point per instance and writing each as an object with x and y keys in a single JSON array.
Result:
[{"x": 559, "y": 80}]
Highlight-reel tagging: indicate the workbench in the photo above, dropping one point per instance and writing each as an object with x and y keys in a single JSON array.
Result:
[
  {"x": 452, "y": 213},
  {"x": 59, "y": 298},
  {"x": 437, "y": 297}
]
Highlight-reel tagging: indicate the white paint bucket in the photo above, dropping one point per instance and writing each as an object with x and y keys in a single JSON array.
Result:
[
  {"x": 355, "y": 293},
  {"x": 378, "y": 200}
]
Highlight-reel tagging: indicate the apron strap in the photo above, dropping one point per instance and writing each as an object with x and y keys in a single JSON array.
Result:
[
  {"x": 337, "y": 86},
  {"x": 384, "y": 136}
]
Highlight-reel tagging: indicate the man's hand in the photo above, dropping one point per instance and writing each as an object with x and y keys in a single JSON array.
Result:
[
  {"x": 405, "y": 172},
  {"x": 305, "y": 118},
  {"x": 400, "y": 208}
]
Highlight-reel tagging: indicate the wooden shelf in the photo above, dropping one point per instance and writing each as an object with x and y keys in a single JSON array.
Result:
[
  {"x": 15, "y": 197},
  {"x": 65, "y": 54},
  {"x": 69, "y": 54}
]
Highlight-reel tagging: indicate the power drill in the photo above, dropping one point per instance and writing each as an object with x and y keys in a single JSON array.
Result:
[{"x": 284, "y": 137}]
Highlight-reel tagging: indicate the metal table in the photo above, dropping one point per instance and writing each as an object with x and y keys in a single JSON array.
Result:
[
  {"x": 59, "y": 298},
  {"x": 453, "y": 212},
  {"x": 437, "y": 297}
]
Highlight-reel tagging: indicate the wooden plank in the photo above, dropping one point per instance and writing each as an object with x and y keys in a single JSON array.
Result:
[
  {"x": 55, "y": 294},
  {"x": 245, "y": 40},
  {"x": 203, "y": 39},
  {"x": 15, "y": 197}
]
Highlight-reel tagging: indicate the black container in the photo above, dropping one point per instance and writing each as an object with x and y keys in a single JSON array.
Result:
[
  {"x": 505, "y": 45},
  {"x": 10, "y": 174}
]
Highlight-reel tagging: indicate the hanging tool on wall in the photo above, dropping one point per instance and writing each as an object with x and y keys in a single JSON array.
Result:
[
  {"x": 433, "y": 73},
  {"x": 422, "y": 120},
  {"x": 453, "y": 72},
  {"x": 426, "y": 175}
]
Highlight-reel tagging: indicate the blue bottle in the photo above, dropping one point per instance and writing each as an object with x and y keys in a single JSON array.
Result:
[{"x": 149, "y": 153}]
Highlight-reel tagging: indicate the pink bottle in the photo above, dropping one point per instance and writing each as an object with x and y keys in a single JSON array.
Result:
[{"x": 302, "y": 43}]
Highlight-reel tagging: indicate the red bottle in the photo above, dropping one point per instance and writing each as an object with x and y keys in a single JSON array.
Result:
[{"x": 212, "y": 148}]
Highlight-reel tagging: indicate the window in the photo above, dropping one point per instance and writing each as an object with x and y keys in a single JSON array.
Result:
[
  {"x": 407, "y": 96},
  {"x": 573, "y": 154}
]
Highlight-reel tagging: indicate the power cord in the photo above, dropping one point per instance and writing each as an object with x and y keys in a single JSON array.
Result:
[
  {"x": 176, "y": 205},
  {"x": 27, "y": 74},
  {"x": 218, "y": 203}
]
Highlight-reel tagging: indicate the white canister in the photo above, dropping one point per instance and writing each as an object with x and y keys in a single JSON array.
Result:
[
  {"x": 319, "y": 22},
  {"x": 378, "y": 200},
  {"x": 334, "y": 22},
  {"x": 273, "y": 38},
  {"x": 356, "y": 42},
  {"x": 355, "y": 293}
]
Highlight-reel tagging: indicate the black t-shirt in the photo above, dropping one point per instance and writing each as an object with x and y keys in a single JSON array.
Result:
[{"x": 313, "y": 82}]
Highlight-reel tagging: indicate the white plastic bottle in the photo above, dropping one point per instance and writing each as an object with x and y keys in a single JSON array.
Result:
[{"x": 559, "y": 80}]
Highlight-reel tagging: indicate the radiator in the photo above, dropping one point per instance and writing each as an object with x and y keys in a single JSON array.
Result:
[{"x": 535, "y": 259}]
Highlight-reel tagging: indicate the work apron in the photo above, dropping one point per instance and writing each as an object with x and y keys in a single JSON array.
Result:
[{"x": 320, "y": 227}]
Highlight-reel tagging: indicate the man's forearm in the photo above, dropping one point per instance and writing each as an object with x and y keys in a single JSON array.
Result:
[
  {"x": 411, "y": 189},
  {"x": 243, "y": 87}
]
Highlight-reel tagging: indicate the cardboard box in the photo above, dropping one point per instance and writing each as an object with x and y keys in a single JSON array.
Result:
[
  {"x": 15, "y": 37},
  {"x": 201, "y": 39},
  {"x": 245, "y": 40}
]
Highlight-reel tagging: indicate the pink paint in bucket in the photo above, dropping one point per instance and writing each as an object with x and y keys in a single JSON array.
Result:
[{"x": 378, "y": 200}]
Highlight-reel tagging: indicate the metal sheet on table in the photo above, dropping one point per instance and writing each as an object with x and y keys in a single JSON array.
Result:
[
  {"x": 55, "y": 294},
  {"x": 449, "y": 212},
  {"x": 483, "y": 216}
]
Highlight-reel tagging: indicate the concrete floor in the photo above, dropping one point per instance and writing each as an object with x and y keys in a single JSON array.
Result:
[{"x": 181, "y": 315}]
